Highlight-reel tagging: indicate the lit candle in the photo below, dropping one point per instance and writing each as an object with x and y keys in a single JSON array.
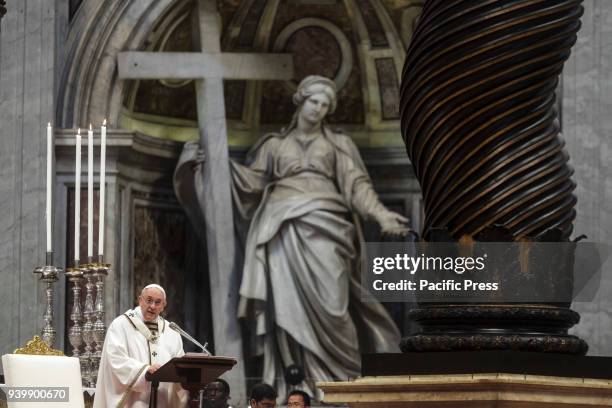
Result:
[
  {"x": 77, "y": 195},
  {"x": 102, "y": 188},
  {"x": 48, "y": 207},
  {"x": 89, "y": 193}
]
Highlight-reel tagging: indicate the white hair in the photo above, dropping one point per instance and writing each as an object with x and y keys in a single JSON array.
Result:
[{"x": 153, "y": 286}]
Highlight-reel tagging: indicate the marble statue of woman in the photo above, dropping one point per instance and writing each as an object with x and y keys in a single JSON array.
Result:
[{"x": 299, "y": 289}]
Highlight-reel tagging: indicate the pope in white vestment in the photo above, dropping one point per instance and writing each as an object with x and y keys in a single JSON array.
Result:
[{"x": 136, "y": 342}]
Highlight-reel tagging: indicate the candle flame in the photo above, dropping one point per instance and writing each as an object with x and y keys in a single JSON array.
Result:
[
  {"x": 78, "y": 131},
  {"x": 49, "y": 124},
  {"x": 104, "y": 123},
  {"x": 90, "y": 126}
]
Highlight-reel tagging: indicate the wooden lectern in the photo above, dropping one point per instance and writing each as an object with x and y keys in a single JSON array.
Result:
[{"x": 193, "y": 371}]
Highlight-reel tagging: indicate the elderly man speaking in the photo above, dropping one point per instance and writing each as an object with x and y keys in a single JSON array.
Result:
[{"x": 138, "y": 341}]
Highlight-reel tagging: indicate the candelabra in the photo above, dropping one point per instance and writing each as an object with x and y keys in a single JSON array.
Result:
[
  {"x": 90, "y": 333},
  {"x": 49, "y": 275}
]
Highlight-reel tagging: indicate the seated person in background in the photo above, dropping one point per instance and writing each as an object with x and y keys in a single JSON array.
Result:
[
  {"x": 137, "y": 342},
  {"x": 298, "y": 399},
  {"x": 262, "y": 396},
  {"x": 218, "y": 393}
]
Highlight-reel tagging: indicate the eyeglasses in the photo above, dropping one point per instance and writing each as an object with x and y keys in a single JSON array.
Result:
[
  {"x": 151, "y": 301},
  {"x": 296, "y": 404}
]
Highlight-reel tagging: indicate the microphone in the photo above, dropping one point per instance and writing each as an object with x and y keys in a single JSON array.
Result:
[{"x": 186, "y": 335}]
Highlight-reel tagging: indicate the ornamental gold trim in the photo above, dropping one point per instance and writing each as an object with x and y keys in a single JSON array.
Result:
[{"x": 38, "y": 347}]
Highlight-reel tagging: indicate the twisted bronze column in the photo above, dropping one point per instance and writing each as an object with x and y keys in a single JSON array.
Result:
[{"x": 479, "y": 121}]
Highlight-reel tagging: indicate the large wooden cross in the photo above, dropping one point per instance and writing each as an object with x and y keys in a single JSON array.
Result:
[{"x": 209, "y": 67}]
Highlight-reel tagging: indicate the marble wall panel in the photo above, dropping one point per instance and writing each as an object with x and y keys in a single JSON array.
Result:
[
  {"x": 587, "y": 123},
  {"x": 325, "y": 59},
  {"x": 378, "y": 37},
  {"x": 83, "y": 225},
  {"x": 159, "y": 254},
  {"x": 388, "y": 88},
  {"x": 27, "y": 57}
]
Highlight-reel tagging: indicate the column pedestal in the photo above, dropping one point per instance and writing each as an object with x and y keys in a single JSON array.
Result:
[
  {"x": 470, "y": 390},
  {"x": 476, "y": 379}
]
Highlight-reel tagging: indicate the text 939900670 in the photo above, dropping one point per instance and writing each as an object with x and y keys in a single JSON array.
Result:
[{"x": 36, "y": 394}]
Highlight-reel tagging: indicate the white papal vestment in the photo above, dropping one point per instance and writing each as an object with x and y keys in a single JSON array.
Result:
[{"x": 129, "y": 349}]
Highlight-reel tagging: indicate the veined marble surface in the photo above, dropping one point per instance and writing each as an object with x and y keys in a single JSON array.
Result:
[
  {"x": 27, "y": 51},
  {"x": 587, "y": 127}
]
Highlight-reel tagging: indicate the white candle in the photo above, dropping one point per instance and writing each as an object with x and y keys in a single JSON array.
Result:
[
  {"x": 102, "y": 188},
  {"x": 77, "y": 195},
  {"x": 48, "y": 207},
  {"x": 89, "y": 192}
]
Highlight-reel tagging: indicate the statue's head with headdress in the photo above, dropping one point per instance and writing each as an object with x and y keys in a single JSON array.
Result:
[
  {"x": 311, "y": 86},
  {"x": 314, "y": 84}
]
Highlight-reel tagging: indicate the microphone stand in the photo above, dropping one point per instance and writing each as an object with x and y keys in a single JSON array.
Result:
[{"x": 186, "y": 335}]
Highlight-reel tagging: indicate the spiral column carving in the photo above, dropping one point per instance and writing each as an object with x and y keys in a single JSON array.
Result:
[
  {"x": 479, "y": 118},
  {"x": 480, "y": 123}
]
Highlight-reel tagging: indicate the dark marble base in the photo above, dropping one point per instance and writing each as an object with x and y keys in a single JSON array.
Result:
[
  {"x": 471, "y": 342},
  {"x": 482, "y": 362},
  {"x": 532, "y": 328}
]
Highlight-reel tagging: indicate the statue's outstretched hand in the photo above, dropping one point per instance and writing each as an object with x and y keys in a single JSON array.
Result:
[
  {"x": 199, "y": 155},
  {"x": 394, "y": 224}
]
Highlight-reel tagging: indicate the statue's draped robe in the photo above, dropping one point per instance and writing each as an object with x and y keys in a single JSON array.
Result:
[
  {"x": 300, "y": 256},
  {"x": 126, "y": 356}
]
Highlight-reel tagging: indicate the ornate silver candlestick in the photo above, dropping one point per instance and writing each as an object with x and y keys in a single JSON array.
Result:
[
  {"x": 100, "y": 271},
  {"x": 49, "y": 275},
  {"x": 75, "y": 334},
  {"x": 89, "y": 314}
]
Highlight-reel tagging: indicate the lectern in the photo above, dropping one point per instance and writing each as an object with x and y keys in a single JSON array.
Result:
[{"x": 193, "y": 371}]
